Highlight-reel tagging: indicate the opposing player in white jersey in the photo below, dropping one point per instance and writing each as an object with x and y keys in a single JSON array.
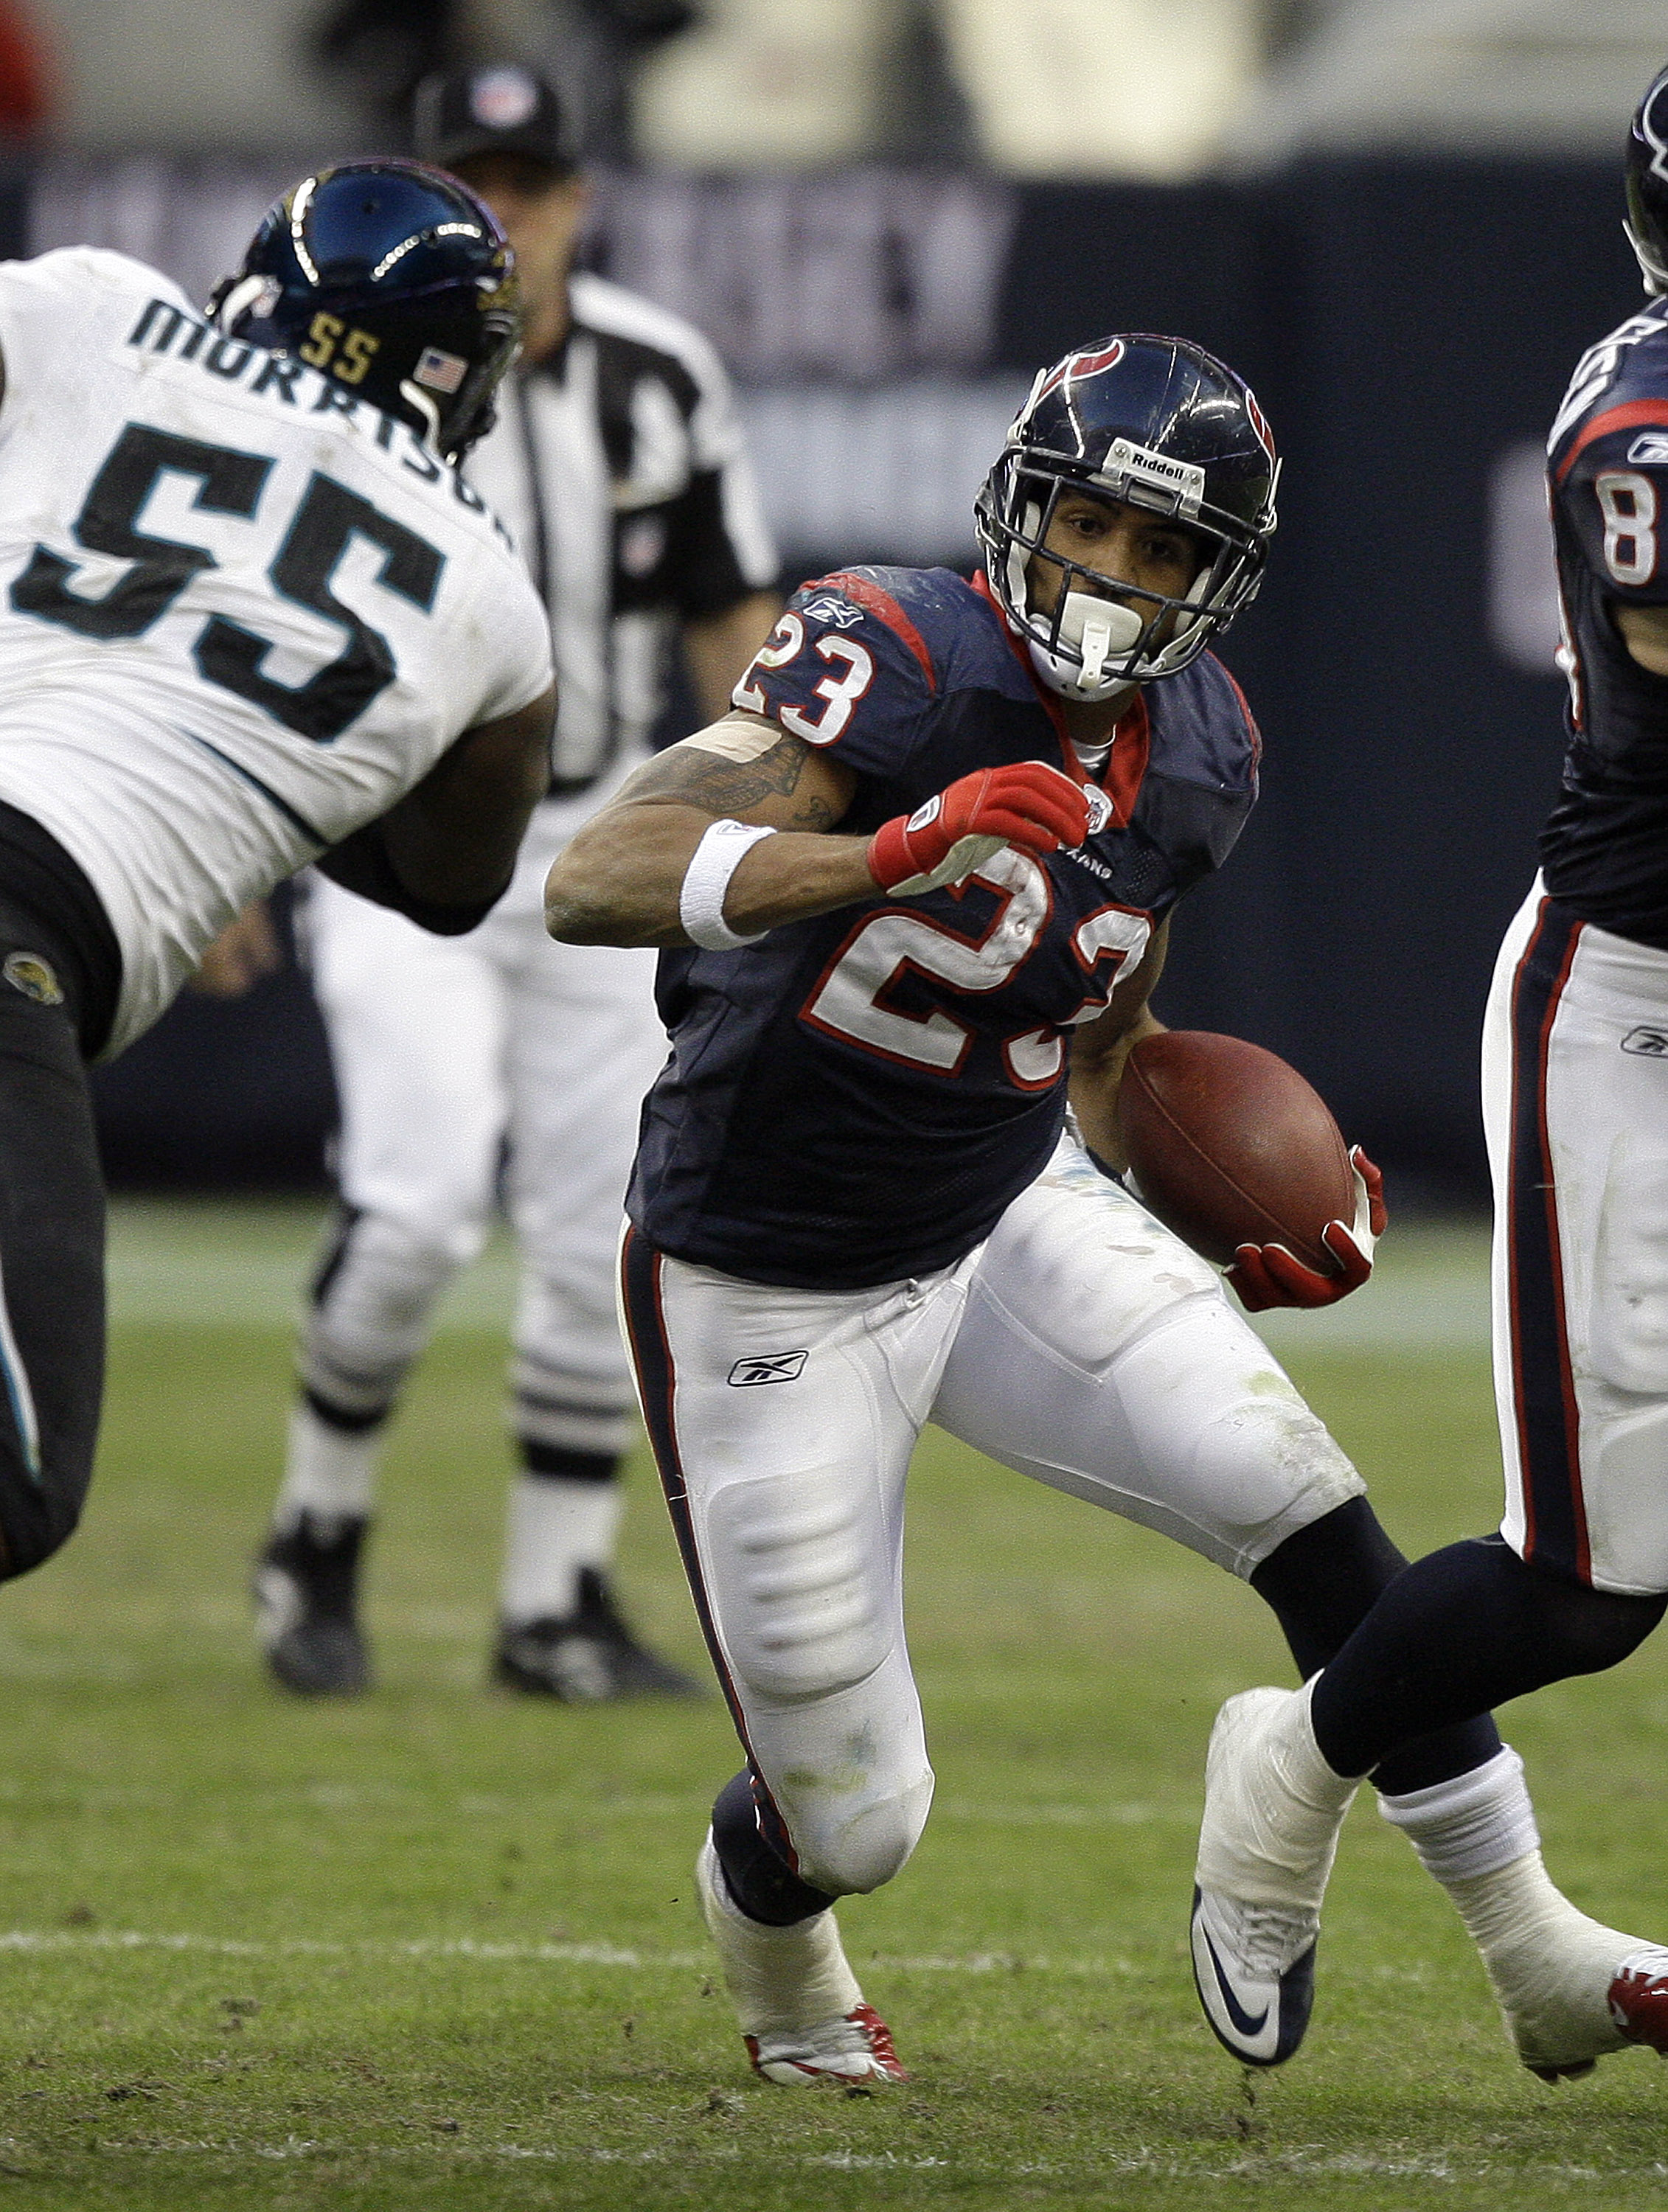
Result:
[
  {"x": 250, "y": 619},
  {"x": 500, "y": 1063},
  {"x": 1575, "y": 1105}
]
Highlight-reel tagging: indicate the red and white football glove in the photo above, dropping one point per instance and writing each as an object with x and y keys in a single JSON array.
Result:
[
  {"x": 1026, "y": 804},
  {"x": 1269, "y": 1275}
]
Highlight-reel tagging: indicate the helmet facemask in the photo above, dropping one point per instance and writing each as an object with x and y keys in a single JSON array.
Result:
[{"x": 1103, "y": 635}]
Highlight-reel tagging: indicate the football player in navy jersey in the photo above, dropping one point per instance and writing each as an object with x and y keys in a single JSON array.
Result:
[
  {"x": 913, "y": 888},
  {"x": 1575, "y": 1103}
]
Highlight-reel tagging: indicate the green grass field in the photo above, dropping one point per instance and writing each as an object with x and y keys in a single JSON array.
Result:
[{"x": 438, "y": 1949}]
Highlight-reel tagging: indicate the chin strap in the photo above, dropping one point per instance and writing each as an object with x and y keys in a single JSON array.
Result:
[
  {"x": 415, "y": 396},
  {"x": 1101, "y": 631}
]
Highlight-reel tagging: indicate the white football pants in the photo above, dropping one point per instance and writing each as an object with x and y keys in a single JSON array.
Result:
[
  {"x": 1083, "y": 1344},
  {"x": 454, "y": 1057},
  {"x": 1575, "y": 1105}
]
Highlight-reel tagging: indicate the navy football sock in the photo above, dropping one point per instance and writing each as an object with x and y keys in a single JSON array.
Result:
[
  {"x": 759, "y": 1878},
  {"x": 1458, "y": 1631},
  {"x": 1321, "y": 1584}
]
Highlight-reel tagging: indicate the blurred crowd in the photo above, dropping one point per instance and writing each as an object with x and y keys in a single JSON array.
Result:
[{"x": 1160, "y": 89}]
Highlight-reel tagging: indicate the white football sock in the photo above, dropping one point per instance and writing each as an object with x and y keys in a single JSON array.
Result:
[
  {"x": 1471, "y": 1825},
  {"x": 1549, "y": 1964},
  {"x": 554, "y": 1528},
  {"x": 782, "y": 1979},
  {"x": 328, "y": 1471}
]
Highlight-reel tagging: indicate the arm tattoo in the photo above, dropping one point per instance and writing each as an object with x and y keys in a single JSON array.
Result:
[{"x": 721, "y": 788}]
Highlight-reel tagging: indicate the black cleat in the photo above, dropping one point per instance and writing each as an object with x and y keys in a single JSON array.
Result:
[
  {"x": 586, "y": 1656},
  {"x": 305, "y": 1616}
]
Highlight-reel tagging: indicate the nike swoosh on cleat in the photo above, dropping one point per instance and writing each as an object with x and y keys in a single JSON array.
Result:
[{"x": 1237, "y": 2013}]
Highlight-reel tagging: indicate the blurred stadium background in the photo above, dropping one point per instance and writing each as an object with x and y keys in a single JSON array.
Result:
[
  {"x": 1400, "y": 218},
  {"x": 390, "y": 1942}
]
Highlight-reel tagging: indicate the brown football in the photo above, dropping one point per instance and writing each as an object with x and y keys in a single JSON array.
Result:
[{"x": 1229, "y": 1146}]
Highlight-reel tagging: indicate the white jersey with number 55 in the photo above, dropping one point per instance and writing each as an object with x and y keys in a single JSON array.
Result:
[{"x": 242, "y": 612}]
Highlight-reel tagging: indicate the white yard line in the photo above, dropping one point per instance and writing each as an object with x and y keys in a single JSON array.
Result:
[
  {"x": 470, "y": 1951},
  {"x": 1092, "y": 2166}
]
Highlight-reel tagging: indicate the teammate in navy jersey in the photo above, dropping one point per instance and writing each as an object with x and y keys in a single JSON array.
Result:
[
  {"x": 1575, "y": 1103},
  {"x": 911, "y": 889}
]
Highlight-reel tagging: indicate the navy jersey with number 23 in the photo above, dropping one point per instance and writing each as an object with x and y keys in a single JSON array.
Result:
[{"x": 857, "y": 1098}]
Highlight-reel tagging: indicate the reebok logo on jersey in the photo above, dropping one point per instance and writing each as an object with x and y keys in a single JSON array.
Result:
[
  {"x": 35, "y": 977},
  {"x": 1651, "y": 1044},
  {"x": 1649, "y": 445},
  {"x": 840, "y": 612},
  {"x": 767, "y": 1367}
]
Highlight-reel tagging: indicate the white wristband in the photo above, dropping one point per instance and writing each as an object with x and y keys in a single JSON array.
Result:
[{"x": 706, "y": 880}]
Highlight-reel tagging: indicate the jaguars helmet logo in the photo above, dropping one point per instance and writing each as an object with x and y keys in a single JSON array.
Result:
[{"x": 35, "y": 977}]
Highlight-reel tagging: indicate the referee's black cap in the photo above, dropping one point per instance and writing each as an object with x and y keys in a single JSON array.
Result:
[{"x": 497, "y": 107}]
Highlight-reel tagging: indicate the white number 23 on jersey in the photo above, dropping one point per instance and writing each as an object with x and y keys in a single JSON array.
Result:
[
  {"x": 852, "y": 667},
  {"x": 853, "y": 1001}
]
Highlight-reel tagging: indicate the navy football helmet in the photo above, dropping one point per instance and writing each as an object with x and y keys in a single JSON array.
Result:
[
  {"x": 1157, "y": 423},
  {"x": 1646, "y": 169},
  {"x": 393, "y": 278}
]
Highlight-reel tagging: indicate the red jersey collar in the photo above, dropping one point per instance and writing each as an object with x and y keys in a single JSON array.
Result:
[{"x": 1125, "y": 766}]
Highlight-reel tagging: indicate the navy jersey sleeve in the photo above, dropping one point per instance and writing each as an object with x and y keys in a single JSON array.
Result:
[
  {"x": 1610, "y": 487},
  {"x": 846, "y": 669}
]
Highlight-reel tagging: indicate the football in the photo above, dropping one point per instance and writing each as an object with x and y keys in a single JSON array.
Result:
[{"x": 1229, "y": 1146}]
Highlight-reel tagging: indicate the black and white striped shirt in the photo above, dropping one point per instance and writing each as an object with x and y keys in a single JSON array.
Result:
[{"x": 618, "y": 464}]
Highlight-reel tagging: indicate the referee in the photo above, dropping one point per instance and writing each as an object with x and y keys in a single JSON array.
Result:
[{"x": 499, "y": 1062}]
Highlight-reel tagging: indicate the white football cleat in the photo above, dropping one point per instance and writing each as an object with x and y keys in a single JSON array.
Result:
[
  {"x": 856, "y": 2052},
  {"x": 1571, "y": 1988},
  {"x": 1273, "y": 1810},
  {"x": 803, "y": 2018}
]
